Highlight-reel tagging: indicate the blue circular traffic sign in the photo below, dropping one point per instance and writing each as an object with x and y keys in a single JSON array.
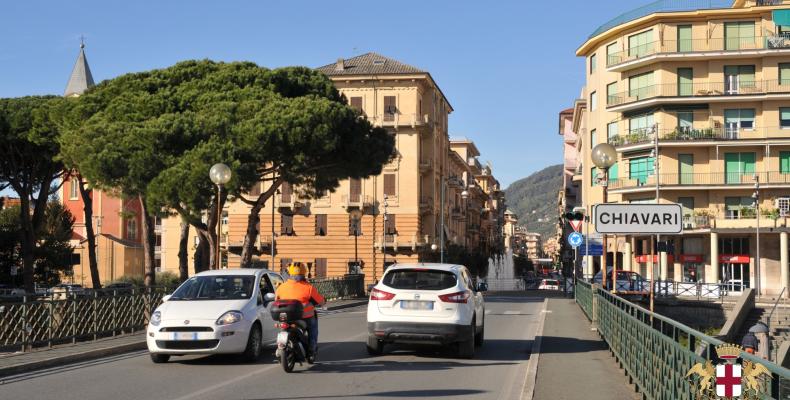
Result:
[{"x": 575, "y": 239}]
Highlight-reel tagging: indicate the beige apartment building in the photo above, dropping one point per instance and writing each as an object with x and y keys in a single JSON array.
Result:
[
  {"x": 697, "y": 104},
  {"x": 400, "y": 209}
]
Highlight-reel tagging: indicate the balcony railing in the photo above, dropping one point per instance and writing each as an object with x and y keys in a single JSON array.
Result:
[
  {"x": 426, "y": 203},
  {"x": 357, "y": 200},
  {"x": 769, "y": 41},
  {"x": 733, "y": 87},
  {"x": 702, "y": 179},
  {"x": 398, "y": 119},
  {"x": 688, "y": 134}
]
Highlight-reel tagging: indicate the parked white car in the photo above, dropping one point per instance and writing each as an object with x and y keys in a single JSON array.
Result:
[
  {"x": 220, "y": 311},
  {"x": 549, "y": 284},
  {"x": 426, "y": 303}
]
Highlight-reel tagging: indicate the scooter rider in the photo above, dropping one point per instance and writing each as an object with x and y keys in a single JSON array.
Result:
[{"x": 297, "y": 288}]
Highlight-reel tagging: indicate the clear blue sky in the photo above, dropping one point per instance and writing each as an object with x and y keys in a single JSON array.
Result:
[{"x": 507, "y": 67}]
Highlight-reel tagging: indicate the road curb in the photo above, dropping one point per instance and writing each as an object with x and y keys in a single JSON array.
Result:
[
  {"x": 534, "y": 357},
  {"x": 72, "y": 358}
]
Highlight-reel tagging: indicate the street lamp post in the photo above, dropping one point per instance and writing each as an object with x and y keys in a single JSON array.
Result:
[
  {"x": 604, "y": 155},
  {"x": 756, "y": 197},
  {"x": 220, "y": 175},
  {"x": 465, "y": 197},
  {"x": 383, "y": 242},
  {"x": 356, "y": 216}
]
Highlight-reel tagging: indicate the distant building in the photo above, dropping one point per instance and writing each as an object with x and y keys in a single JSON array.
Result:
[{"x": 8, "y": 202}]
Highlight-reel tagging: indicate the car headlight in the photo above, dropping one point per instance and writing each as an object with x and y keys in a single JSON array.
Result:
[
  {"x": 156, "y": 318},
  {"x": 230, "y": 317}
]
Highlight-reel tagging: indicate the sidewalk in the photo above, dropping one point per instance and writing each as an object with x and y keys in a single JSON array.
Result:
[
  {"x": 574, "y": 362},
  {"x": 16, "y": 363}
]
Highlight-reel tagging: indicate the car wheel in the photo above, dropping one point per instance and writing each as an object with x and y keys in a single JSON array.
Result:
[
  {"x": 254, "y": 345},
  {"x": 466, "y": 348},
  {"x": 160, "y": 358},
  {"x": 480, "y": 336},
  {"x": 375, "y": 347}
]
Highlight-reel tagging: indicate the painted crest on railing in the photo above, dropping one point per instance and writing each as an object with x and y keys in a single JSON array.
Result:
[{"x": 729, "y": 380}]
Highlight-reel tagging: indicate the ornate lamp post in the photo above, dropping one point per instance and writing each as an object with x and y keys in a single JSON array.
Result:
[
  {"x": 356, "y": 217},
  {"x": 220, "y": 175},
  {"x": 604, "y": 155},
  {"x": 465, "y": 197}
]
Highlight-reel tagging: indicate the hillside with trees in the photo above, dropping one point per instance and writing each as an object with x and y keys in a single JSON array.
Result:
[{"x": 534, "y": 200}]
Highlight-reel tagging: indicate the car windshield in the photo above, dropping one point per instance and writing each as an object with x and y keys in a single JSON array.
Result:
[
  {"x": 217, "y": 287},
  {"x": 419, "y": 279}
]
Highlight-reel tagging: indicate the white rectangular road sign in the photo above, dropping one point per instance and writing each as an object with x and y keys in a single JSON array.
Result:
[{"x": 638, "y": 218}]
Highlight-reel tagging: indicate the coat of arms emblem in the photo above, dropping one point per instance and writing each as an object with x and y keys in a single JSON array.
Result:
[{"x": 730, "y": 380}]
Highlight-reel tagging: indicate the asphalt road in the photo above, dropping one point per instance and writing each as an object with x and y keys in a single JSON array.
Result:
[{"x": 344, "y": 369}]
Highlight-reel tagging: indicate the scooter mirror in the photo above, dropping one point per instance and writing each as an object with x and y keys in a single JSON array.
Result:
[{"x": 268, "y": 297}]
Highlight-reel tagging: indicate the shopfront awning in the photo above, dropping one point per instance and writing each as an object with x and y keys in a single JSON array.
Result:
[{"x": 782, "y": 17}]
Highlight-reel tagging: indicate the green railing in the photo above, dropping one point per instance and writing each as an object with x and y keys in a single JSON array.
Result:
[
  {"x": 657, "y": 352},
  {"x": 348, "y": 286}
]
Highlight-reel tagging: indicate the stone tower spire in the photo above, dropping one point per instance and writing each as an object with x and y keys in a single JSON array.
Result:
[{"x": 81, "y": 78}]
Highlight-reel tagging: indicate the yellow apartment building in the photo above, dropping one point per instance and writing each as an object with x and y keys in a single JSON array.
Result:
[
  {"x": 399, "y": 210},
  {"x": 697, "y": 103}
]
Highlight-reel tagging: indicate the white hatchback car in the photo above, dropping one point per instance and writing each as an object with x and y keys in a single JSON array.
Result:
[
  {"x": 426, "y": 303},
  {"x": 220, "y": 311}
]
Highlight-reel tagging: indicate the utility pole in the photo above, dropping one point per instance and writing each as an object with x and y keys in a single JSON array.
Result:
[
  {"x": 658, "y": 236},
  {"x": 756, "y": 197}
]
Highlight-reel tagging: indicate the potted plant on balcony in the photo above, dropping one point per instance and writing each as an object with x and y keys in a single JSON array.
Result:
[{"x": 702, "y": 217}]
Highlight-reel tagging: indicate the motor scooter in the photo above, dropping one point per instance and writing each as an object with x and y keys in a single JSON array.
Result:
[{"x": 293, "y": 344}]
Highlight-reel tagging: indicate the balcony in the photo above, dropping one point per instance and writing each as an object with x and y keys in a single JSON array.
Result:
[
  {"x": 730, "y": 91},
  {"x": 694, "y": 49},
  {"x": 287, "y": 201},
  {"x": 356, "y": 200},
  {"x": 703, "y": 136},
  {"x": 456, "y": 213},
  {"x": 426, "y": 164},
  {"x": 426, "y": 204},
  {"x": 712, "y": 180},
  {"x": 397, "y": 120}
]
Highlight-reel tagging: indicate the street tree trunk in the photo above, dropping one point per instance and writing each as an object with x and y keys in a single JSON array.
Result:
[
  {"x": 201, "y": 252},
  {"x": 183, "y": 255},
  {"x": 87, "y": 203},
  {"x": 149, "y": 241},
  {"x": 31, "y": 226},
  {"x": 253, "y": 220}
]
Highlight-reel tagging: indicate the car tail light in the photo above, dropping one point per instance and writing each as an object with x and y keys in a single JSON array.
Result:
[
  {"x": 376, "y": 294},
  {"x": 281, "y": 325},
  {"x": 458, "y": 297}
]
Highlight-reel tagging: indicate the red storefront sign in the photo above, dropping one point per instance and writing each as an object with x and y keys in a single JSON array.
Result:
[
  {"x": 691, "y": 258},
  {"x": 656, "y": 259},
  {"x": 734, "y": 258}
]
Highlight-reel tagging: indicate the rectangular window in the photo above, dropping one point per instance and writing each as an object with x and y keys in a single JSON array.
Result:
[
  {"x": 684, "y": 38},
  {"x": 640, "y": 168},
  {"x": 641, "y": 125},
  {"x": 611, "y": 54},
  {"x": 131, "y": 229},
  {"x": 356, "y": 103},
  {"x": 390, "y": 108},
  {"x": 284, "y": 266},
  {"x": 739, "y": 167},
  {"x": 613, "y": 172},
  {"x": 320, "y": 268},
  {"x": 355, "y": 190},
  {"x": 687, "y": 205},
  {"x": 611, "y": 93},
  {"x": 686, "y": 169},
  {"x": 74, "y": 189},
  {"x": 592, "y": 139},
  {"x": 641, "y": 86},
  {"x": 286, "y": 192},
  {"x": 389, "y": 185},
  {"x": 738, "y": 35},
  {"x": 354, "y": 226},
  {"x": 389, "y": 226},
  {"x": 593, "y": 176},
  {"x": 737, "y": 119},
  {"x": 738, "y": 78},
  {"x": 685, "y": 121},
  {"x": 685, "y": 82},
  {"x": 784, "y": 74},
  {"x": 784, "y": 117},
  {"x": 738, "y": 207},
  {"x": 611, "y": 131},
  {"x": 592, "y": 63},
  {"x": 784, "y": 162},
  {"x": 593, "y": 101},
  {"x": 641, "y": 44},
  {"x": 320, "y": 224},
  {"x": 287, "y": 224}
]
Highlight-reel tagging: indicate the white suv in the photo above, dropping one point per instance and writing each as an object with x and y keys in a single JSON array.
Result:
[{"x": 426, "y": 303}]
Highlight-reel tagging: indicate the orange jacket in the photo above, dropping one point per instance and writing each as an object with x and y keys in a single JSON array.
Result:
[{"x": 302, "y": 291}]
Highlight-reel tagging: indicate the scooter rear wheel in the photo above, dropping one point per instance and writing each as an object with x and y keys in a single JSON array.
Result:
[{"x": 288, "y": 357}]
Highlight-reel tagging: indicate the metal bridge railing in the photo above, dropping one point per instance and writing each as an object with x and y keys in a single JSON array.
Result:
[
  {"x": 657, "y": 352},
  {"x": 29, "y": 323},
  {"x": 348, "y": 286}
]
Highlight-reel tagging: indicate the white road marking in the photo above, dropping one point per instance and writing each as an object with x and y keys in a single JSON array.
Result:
[
  {"x": 511, "y": 312},
  {"x": 532, "y": 370},
  {"x": 218, "y": 386}
]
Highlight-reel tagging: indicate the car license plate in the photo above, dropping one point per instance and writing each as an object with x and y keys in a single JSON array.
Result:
[
  {"x": 185, "y": 336},
  {"x": 282, "y": 338},
  {"x": 416, "y": 305}
]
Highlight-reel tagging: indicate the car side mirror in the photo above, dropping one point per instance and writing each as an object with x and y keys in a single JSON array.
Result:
[
  {"x": 268, "y": 297},
  {"x": 482, "y": 287},
  {"x": 166, "y": 297}
]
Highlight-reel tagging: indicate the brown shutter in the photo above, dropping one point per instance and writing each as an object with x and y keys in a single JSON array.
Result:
[
  {"x": 356, "y": 103},
  {"x": 287, "y": 224},
  {"x": 389, "y": 184},
  {"x": 390, "y": 227},
  {"x": 286, "y": 191},
  {"x": 355, "y": 190},
  {"x": 352, "y": 224},
  {"x": 256, "y": 189},
  {"x": 284, "y": 265},
  {"x": 389, "y": 108},
  {"x": 320, "y": 268},
  {"x": 320, "y": 224}
]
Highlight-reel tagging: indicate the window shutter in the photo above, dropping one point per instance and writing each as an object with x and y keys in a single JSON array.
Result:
[
  {"x": 286, "y": 191},
  {"x": 784, "y": 74},
  {"x": 390, "y": 227},
  {"x": 355, "y": 189},
  {"x": 354, "y": 224},
  {"x": 389, "y": 108},
  {"x": 389, "y": 184},
  {"x": 287, "y": 224},
  {"x": 320, "y": 268},
  {"x": 320, "y": 224},
  {"x": 356, "y": 103}
]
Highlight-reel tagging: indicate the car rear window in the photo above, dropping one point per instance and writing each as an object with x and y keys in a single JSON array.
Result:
[
  {"x": 419, "y": 279},
  {"x": 551, "y": 282}
]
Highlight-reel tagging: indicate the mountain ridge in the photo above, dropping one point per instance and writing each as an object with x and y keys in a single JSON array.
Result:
[{"x": 534, "y": 200}]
